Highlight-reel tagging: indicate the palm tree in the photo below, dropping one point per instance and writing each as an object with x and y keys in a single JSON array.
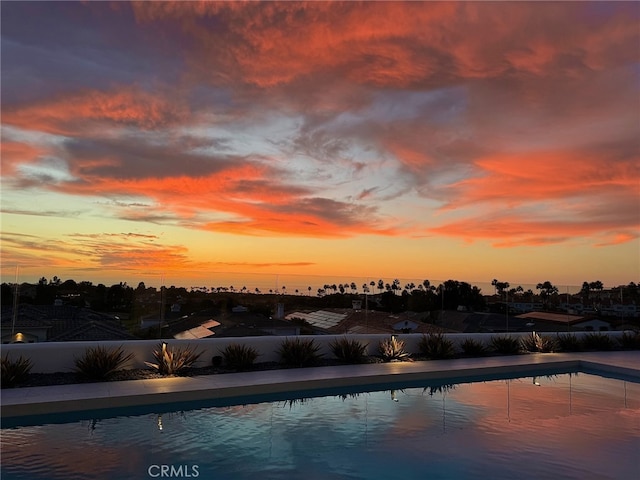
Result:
[
  {"x": 585, "y": 289},
  {"x": 547, "y": 289}
]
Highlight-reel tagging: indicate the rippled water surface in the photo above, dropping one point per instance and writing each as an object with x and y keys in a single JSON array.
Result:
[{"x": 565, "y": 426}]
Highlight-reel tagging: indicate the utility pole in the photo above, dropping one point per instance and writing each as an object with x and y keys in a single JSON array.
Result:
[
  {"x": 161, "y": 307},
  {"x": 14, "y": 315},
  {"x": 506, "y": 298}
]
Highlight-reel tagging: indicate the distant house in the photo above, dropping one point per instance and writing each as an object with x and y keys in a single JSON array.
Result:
[
  {"x": 406, "y": 326},
  {"x": 94, "y": 331},
  {"x": 252, "y": 324},
  {"x": 524, "y": 307},
  {"x": 59, "y": 323},
  {"x": 200, "y": 324},
  {"x": 347, "y": 320},
  {"x": 593, "y": 324},
  {"x": 576, "y": 322}
]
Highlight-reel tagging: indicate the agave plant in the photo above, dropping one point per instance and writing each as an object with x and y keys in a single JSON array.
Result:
[
  {"x": 170, "y": 361},
  {"x": 473, "y": 347},
  {"x": 537, "y": 343},
  {"x": 392, "y": 349},
  {"x": 444, "y": 388},
  {"x": 505, "y": 345},
  {"x": 100, "y": 363},
  {"x": 299, "y": 352},
  {"x": 597, "y": 341},
  {"x": 349, "y": 350},
  {"x": 14, "y": 371},
  {"x": 630, "y": 340},
  {"x": 239, "y": 357},
  {"x": 568, "y": 342},
  {"x": 436, "y": 346}
]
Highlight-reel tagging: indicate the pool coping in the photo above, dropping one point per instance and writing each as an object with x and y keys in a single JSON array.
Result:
[{"x": 59, "y": 399}]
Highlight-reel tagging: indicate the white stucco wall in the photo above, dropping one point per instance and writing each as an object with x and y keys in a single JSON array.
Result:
[{"x": 49, "y": 357}]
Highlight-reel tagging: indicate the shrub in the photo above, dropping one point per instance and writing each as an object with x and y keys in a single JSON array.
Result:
[
  {"x": 14, "y": 371},
  {"x": 568, "y": 342},
  {"x": 597, "y": 341},
  {"x": 537, "y": 343},
  {"x": 392, "y": 349},
  {"x": 172, "y": 360},
  {"x": 299, "y": 352},
  {"x": 630, "y": 340},
  {"x": 443, "y": 389},
  {"x": 473, "y": 347},
  {"x": 505, "y": 345},
  {"x": 547, "y": 344},
  {"x": 239, "y": 357},
  {"x": 436, "y": 346},
  {"x": 216, "y": 360},
  {"x": 100, "y": 363},
  {"x": 349, "y": 350}
]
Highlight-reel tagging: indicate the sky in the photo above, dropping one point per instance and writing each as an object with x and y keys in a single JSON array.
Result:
[{"x": 179, "y": 141}]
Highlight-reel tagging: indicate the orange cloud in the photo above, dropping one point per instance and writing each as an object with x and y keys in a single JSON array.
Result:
[
  {"x": 122, "y": 252},
  {"x": 528, "y": 137},
  {"x": 511, "y": 230},
  {"x": 520, "y": 177},
  {"x": 15, "y": 153},
  {"x": 89, "y": 109},
  {"x": 397, "y": 44}
]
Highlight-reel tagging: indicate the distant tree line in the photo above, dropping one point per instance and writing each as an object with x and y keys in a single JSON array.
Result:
[{"x": 391, "y": 296}]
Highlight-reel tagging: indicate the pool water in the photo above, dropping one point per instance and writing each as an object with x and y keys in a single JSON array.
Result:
[{"x": 574, "y": 426}]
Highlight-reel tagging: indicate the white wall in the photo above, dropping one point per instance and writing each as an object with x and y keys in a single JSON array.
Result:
[{"x": 49, "y": 357}]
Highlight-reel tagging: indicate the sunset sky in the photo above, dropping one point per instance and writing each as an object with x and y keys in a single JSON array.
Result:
[{"x": 182, "y": 140}]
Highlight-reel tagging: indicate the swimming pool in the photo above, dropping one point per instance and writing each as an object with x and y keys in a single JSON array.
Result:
[{"x": 557, "y": 426}]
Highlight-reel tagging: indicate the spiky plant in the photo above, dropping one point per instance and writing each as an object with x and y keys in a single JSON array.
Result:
[
  {"x": 568, "y": 342},
  {"x": 239, "y": 357},
  {"x": 299, "y": 352},
  {"x": 473, "y": 347},
  {"x": 505, "y": 345},
  {"x": 547, "y": 344},
  {"x": 436, "y": 346},
  {"x": 432, "y": 389},
  {"x": 349, "y": 350},
  {"x": 597, "y": 341},
  {"x": 392, "y": 349},
  {"x": 170, "y": 361},
  {"x": 630, "y": 340},
  {"x": 538, "y": 343},
  {"x": 100, "y": 363},
  {"x": 14, "y": 371}
]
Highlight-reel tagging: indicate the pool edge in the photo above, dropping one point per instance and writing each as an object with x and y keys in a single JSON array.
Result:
[{"x": 31, "y": 401}]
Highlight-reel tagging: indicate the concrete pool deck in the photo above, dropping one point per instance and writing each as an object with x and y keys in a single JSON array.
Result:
[{"x": 31, "y": 401}]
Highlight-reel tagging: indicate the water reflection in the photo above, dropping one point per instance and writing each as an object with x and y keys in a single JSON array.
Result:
[{"x": 456, "y": 424}]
